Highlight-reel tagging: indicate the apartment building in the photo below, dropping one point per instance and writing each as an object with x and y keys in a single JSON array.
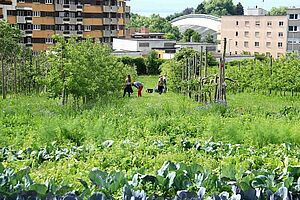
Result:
[
  {"x": 251, "y": 34},
  {"x": 293, "y": 30},
  {"x": 39, "y": 20}
]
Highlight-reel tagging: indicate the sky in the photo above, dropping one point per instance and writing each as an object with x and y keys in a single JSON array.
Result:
[{"x": 167, "y": 7}]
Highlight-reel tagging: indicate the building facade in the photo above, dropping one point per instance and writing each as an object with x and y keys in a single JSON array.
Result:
[
  {"x": 294, "y": 30},
  {"x": 145, "y": 46},
  {"x": 255, "y": 34},
  {"x": 39, "y": 20}
]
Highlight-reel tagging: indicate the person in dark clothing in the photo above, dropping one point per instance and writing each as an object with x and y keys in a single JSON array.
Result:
[
  {"x": 128, "y": 87},
  {"x": 160, "y": 85}
]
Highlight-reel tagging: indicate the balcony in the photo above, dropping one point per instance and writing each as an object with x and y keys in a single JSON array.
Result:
[
  {"x": 114, "y": 21},
  {"x": 106, "y": 21},
  {"x": 28, "y": 32},
  {"x": 114, "y": 33},
  {"x": 79, "y": 7},
  {"x": 106, "y": 33},
  {"x": 107, "y": 9}
]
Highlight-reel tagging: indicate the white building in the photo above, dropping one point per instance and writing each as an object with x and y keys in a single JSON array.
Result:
[{"x": 143, "y": 45}]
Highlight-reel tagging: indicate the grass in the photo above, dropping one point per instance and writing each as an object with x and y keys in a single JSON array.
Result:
[{"x": 150, "y": 130}]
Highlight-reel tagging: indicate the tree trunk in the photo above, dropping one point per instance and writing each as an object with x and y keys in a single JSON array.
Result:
[
  {"x": 15, "y": 75},
  {"x": 3, "y": 79}
]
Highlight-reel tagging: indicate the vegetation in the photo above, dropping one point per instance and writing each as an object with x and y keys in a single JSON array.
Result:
[
  {"x": 266, "y": 75},
  {"x": 129, "y": 141},
  {"x": 83, "y": 70},
  {"x": 275, "y": 11},
  {"x": 155, "y": 23}
]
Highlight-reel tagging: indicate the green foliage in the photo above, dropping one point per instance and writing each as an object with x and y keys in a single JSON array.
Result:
[
  {"x": 84, "y": 69},
  {"x": 9, "y": 39},
  {"x": 155, "y": 23},
  {"x": 219, "y": 7},
  {"x": 278, "y": 11},
  {"x": 259, "y": 75},
  {"x": 153, "y": 63},
  {"x": 239, "y": 10},
  {"x": 139, "y": 63},
  {"x": 191, "y": 36}
]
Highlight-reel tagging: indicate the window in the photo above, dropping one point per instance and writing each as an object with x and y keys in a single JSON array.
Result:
[
  {"x": 257, "y": 23},
  {"x": 246, "y": 33},
  {"x": 256, "y": 44},
  {"x": 144, "y": 44},
  {"x": 237, "y": 23},
  {"x": 281, "y": 23},
  {"x": 36, "y": 1},
  {"x": 268, "y": 54},
  {"x": 87, "y": 28},
  {"x": 280, "y": 44},
  {"x": 280, "y": 34},
  {"x": 268, "y": 44},
  {"x": 36, "y": 13},
  {"x": 236, "y": 33},
  {"x": 269, "y": 23},
  {"x": 269, "y": 34},
  {"x": 28, "y": 40},
  {"x": 48, "y": 1},
  {"x": 247, "y": 23},
  {"x": 236, "y": 52},
  {"x": 246, "y": 44},
  {"x": 256, "y": 34},
  {"x": 236, "y": 43},
  {"x": 49, "y": 41},
  {"x": 293, "y": 16},
  {"x": 279, "y": 55},
  {"x": 21, "y": 1},
  {"x": 292, "y": 28},
  {"x": 36, "y": 27}
]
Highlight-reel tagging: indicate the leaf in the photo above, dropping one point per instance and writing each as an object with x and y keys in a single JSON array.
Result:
[
  {"x": 108, "y": 143},
  {"x": 1, "y": 168},
  {"x": 98, "y": 196},
  {"x": 39, "y": 188},
  {"x": 171, "y": 176},
  {"x": 98, "y": 177}
]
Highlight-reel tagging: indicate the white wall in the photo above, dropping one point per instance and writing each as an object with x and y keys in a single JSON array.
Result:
[{"x": 128, "y": 45}]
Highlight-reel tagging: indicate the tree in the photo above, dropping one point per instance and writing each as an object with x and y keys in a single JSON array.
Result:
[
  {"x": 196, "y": 37},
  {"x": 9, "y": 42},
  {"x": 152, "y": 63},
  {"x": 83, "y": 70},
  {"x": 188, "y": 11},
  {"x": 155, "y": 23},
  {"x": 239, "y": 10},
  {"x": 200, "y": 9},
  {"x": 209, "y": 39},
  {"x": 219, "y": 7},
  {"x": 191, "y": 36},
  {"x": 278, "y": 11}
]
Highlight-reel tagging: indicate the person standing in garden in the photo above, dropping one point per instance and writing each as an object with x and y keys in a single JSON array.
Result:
[
  {"x": 128, "y": 87},
  {"x": 165, "y": 83},
  {"x": 139, "y": 86},
  {"x": 160, "y": 85}
]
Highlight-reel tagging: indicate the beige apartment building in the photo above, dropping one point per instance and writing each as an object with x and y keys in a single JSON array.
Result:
[
  {"x": 39, "y": 20},
  {"x": 251, "y": 34}
]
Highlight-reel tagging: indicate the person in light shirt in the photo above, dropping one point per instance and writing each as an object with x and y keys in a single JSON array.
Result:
[{"x": 139, "y": 86}]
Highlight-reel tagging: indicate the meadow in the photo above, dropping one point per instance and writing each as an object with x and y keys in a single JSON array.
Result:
[{"x": 138, "y": 135}]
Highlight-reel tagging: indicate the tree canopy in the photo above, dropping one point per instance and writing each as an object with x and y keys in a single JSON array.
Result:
[
  {"x": 281, "y": 11},
  {"x": 155, "y": 23}
]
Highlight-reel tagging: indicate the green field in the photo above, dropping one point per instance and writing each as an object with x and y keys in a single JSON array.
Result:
[{"x": 133, "y": 135}]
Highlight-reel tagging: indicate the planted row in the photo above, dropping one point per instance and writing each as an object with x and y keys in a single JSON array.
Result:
[{"x": 171, "y": 181}]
